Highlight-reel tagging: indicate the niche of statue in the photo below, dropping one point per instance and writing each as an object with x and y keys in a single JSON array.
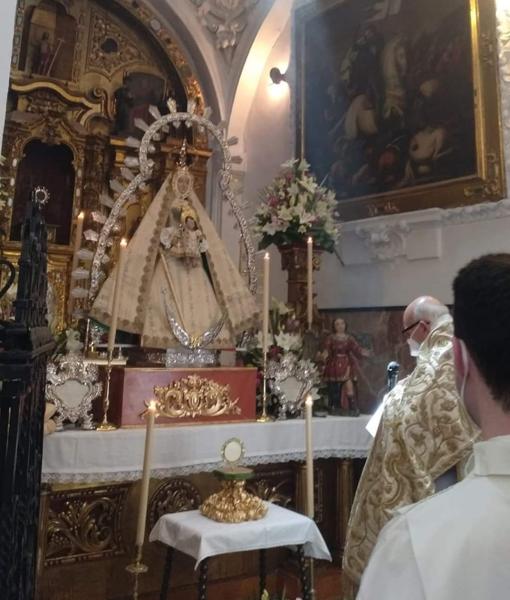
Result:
[
  {"x": 51, "y": 167},
  {"x": 49, "y": 39},
  {"x": 134, "y": 97}
]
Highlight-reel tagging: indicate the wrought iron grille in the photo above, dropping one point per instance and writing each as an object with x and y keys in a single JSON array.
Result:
[{"x": 25, "y": 344}]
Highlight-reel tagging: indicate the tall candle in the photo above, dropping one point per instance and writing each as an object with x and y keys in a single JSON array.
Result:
[
  {"x": 265, "y": 307},
  {"x": 144, "y": 490},
  {"x": 76, "y": 247},
  {"x": 116, "y": 296},
  {"x": 309, "y": 281},
  {"x": 77, "y": 238},
  {"x": 310, "y": 507}
]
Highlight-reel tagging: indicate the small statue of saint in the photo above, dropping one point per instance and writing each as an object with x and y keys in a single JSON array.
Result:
[
  {"x": 43, "y": 55},
  {"x": 339, "y": 356}
]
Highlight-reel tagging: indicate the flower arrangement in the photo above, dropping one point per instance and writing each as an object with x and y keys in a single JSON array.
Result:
[
  {"x": 293, "y": 207},
  {"x": 285, "y": 359}
]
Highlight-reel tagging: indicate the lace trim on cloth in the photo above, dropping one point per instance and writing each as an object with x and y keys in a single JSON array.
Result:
[{"x": 119, "y": 476}]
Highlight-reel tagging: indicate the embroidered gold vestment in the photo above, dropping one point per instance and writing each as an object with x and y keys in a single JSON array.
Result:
[{"x": 424, "y": 431}]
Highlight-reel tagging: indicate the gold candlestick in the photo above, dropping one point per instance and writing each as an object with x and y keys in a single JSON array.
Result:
[
  {"x": 137, "y": 567},
  {"x": 105, "y": 424}
]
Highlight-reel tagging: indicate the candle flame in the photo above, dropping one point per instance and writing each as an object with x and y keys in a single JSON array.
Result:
[
  {"x": 310, "y": 239},
  {"x": 309, "y": 400},
  {"x": 266, "y": 256},
  {"x": 81, "y": 216},
  {"x": 123, "y": 242},
  {"x": 152, "y": 405}
]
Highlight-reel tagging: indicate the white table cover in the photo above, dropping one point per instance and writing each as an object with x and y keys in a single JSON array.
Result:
[
  {"x": 199, "y": 537},
  {"x": 74, "y": 455}
]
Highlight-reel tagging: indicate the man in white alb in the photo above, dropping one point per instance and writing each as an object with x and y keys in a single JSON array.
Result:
[{"x": 456, "y": 544}]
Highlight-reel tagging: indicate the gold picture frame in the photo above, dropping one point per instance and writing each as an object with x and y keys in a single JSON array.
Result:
[{"x": 387, "y": 145}]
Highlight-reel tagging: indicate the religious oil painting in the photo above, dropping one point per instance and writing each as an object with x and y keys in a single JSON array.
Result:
[
  {"x": 379, "y": 331},
  {"x": 397, "y": 102}
]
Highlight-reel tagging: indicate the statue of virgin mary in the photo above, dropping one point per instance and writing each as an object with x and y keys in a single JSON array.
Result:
[{"x": 178, "y": 276}]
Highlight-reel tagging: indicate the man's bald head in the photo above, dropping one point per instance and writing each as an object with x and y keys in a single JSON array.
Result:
[{"x": 423, "y": 311}]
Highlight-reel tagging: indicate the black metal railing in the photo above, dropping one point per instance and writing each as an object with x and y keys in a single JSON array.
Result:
[{"x": 25, "y": 344}]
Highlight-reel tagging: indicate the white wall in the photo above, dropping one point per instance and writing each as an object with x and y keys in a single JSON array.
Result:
[
  {"x": 268, "y": 140},
  {"x": 7, "y": 12},
  {"x": 387, "y": 260}
]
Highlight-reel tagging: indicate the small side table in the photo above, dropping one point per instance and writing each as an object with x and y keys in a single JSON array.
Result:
[{"x": 201, "y": 538}]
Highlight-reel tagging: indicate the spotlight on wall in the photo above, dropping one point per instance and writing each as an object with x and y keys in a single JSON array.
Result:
[{"x": 276, "y": 75}]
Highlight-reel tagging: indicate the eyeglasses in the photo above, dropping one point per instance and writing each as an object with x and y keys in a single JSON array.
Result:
[{"x": 410, "y": 327}]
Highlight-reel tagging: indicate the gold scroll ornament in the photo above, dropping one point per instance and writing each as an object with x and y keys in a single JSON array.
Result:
[
  {"x": 233, "y": 504},
  {"x": 195, "y": 396}
]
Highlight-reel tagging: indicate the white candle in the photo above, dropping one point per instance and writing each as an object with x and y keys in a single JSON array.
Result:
[
  {"x": 309, "y": 281},
  {"x": 310, "y": 507},
  {"x": 116, "y": 296},
  {"x": 76, "y": 247},
  {"x": 77, "y": 238},
  {"x": 144, "y": 490},
  {"x": 265, "y": 307}
]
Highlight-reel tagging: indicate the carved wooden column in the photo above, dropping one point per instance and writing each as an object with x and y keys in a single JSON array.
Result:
[
  {"x": 96, "y": 167},
  {"x": 294, "y": 261}
]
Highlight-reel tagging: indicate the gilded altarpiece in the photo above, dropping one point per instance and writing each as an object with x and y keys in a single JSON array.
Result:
[{"x": 83, "y": 74}]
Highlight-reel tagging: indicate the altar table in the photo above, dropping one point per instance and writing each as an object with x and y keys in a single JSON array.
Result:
[
  {"x": 76, "y": 456},
  {"x": 91, "y": 490},
  {"x": 201, "y": 538}
]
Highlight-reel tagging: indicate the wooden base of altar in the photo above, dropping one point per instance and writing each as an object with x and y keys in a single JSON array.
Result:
[
  {"x": 87, "y": 535},
  {"x": 185, "y": 395}
]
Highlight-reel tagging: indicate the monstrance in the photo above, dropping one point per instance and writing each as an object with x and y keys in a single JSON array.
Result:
[{"x": 233, "y": 504}]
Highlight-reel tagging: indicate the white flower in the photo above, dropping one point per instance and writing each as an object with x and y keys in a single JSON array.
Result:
[
  {"x": 273, "y": 227},
  {"x": 307, "y": 185},
  {"x": 293, "y": 189},
  {"x": 303, "y": 165},
  {"x": 289, "y": 164},
  {"x": 285, "y": 213},
  {"x": 305, "y": 218},
  {"x": 280, "y": 307},
  {"x": 289, "y": 341}
]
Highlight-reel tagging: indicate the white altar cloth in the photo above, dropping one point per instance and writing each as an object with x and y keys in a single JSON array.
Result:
[
  {"x": 78, "y": 456},
  {"x": 199, "y": 537}
]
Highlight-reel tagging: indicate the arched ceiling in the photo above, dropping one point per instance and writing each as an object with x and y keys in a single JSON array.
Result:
[{"x": 217, "y": 37}]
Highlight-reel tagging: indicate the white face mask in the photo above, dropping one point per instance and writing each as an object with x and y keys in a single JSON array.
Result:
[{"x": 414, "y": 347}]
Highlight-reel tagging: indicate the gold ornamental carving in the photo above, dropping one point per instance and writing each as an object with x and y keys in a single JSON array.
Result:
[
  {"x": 490, "y": 186},
  {"x": 233, "y": 504},
  {"x": 195, "y": 396},
  {"x": 271, "y": 491},
  {"x": 106, "y": 63},
  {"x": 173, "y": 495},
  {"x": 85, "y": 524}
]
